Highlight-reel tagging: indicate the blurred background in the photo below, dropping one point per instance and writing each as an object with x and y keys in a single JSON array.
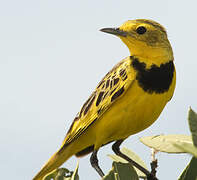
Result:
[{"x": 52, "y": 55}]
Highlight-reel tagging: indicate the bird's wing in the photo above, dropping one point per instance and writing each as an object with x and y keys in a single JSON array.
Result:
[{"x": 110, "y": 89}]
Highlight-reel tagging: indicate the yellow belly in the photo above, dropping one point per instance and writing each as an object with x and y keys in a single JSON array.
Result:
[{"x": 132, "y": 113}]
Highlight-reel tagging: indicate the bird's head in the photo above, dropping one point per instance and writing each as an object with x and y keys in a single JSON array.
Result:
[{"x": 144, "y": 38}]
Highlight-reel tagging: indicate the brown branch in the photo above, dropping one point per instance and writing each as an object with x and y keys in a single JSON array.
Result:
[{"x": 154, "y": 163}]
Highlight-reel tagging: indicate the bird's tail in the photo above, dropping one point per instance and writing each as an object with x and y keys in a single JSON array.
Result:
[{"x": 54, "y": 162}]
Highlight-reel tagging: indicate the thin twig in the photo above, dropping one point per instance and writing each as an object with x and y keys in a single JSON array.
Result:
[{"x": 154, "y": 163}]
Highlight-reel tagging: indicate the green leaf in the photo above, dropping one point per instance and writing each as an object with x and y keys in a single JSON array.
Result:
[
  {"x": 75, "y": 175},
  {"x": 51, "y": 175},
  {"x": 57, "y": 174},
  {"x": 63, "y": 174},
  {"x": 132, "y": 156},
  {"x": 121, "y": 171},
  {"x": 60, "y": 174},
  {"x": 192, "y": 119},
  {"x": 165, "y": 143},
  {"x": 185, "y": 147},
  {"x": 110, "y": 175},
  {"x": 190, "y": 172}
]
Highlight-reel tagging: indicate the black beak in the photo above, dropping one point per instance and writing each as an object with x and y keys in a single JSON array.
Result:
[{"x": 115, "y": 31}]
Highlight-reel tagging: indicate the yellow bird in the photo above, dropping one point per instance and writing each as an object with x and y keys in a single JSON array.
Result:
[{"x": 127, "y": 100}]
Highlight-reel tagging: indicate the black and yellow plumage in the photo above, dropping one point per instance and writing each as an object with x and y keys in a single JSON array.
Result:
[{"x": 127, "y": 100}]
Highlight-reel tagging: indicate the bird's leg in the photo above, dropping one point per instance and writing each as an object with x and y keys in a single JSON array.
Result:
[
  {"x": 94, "y": 163},
  {"x": 116, "y": 149}
]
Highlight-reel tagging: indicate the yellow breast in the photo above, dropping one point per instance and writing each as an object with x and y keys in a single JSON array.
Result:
[{"x": 134, "y": 112}]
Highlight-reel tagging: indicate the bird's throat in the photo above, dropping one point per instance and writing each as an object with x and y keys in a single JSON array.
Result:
[{"x": 155, "y": 79}]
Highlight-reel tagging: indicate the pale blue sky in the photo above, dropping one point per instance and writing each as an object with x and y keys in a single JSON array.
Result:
[{"x": 52, "y": 56}]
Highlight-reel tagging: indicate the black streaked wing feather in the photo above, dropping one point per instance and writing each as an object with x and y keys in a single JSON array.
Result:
[{"x": 113, "y": 85}]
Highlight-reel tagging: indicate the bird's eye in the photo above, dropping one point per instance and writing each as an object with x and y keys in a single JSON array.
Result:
[{"x": 141, "y": 30}]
